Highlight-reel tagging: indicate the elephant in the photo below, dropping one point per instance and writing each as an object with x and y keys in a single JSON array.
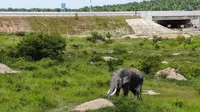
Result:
[{"x": 128, "y": 78}]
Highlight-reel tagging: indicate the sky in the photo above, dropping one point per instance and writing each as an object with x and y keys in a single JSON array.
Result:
[{"x": 57, "y": 3}]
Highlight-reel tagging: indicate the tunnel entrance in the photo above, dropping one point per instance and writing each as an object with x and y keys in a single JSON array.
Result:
[{"x": 175, "y": 23}]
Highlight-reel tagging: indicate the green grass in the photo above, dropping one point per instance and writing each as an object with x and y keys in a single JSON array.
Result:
[
  {"x": 82, "y": 25},
  {"x": 57, "y": 86}
]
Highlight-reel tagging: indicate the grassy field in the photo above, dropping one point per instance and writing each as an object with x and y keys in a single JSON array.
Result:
[
  {"x": 56, "y": 86},
  {"x": 74, "y": 25}
]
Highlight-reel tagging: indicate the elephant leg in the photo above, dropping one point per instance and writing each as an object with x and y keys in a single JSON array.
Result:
[
  {"x": 134, "y": 93},
  {"x": 138, "y": 91},
  {"x": 118, "y": 91},
  {"x": 126, "y": 89}
]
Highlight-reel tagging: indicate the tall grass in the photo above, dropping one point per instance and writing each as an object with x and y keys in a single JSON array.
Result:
[{"x": 54, "y": 85}]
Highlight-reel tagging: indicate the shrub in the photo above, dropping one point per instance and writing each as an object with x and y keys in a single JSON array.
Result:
[
  {"x": 76, "y": 16},
  {"x": 156, "y": 39},
  {"x": 96, "y": 58},
  {"x": 141, "y": 44},
  {"x": 157, "y": 47},
  {"x": 120, "y": 49},
  {"x": 188, "y": 41},
  {"x": 150, "y": 62},
  {"x": 8, "y": 51},
  {"x": 20, "y": 33},
  {"x": 127, "y": 37},
  {"x": 179, "y": 104},
  {"x": 57, "y": 84},
  {"x": 108, "y": 35},
  {"x": 180, "y": 39},
  {"x": 113, "y": 63},
  {"x": 96, "y": 36},
  {"x": 38, "y": 46},
  {"x": 127, "y": 106},
  {"x": 109, "y": 41}
]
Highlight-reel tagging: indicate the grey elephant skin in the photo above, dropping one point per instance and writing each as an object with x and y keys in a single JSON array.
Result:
[{"x": 128, "y": 78}]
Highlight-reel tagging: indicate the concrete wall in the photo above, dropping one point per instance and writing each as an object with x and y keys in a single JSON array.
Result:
[{"x": 194, "y": 15}]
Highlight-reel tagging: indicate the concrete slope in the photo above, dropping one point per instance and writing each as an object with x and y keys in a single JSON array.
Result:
[{"x": 142, "y": 26}]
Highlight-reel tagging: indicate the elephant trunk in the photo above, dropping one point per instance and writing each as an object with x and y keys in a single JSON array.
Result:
[{"x": 112, "y": 90}]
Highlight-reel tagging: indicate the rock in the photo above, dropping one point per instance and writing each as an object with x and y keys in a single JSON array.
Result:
[
  {"x": 176, "y": 54},
  {"x": 130, "y": 52},
  {"x": 5, "y": 69},
  {"x": 99, "y": 42},
  {"x": 109, "y": 51},
  {"x": 169, "y": 73},
  {"x": 107, "y": 58},
  {"x": 93, "y": 105},
  {"x": 164, "y": 62},
  {"x": 150, "y": 92},
  {"x": 92, "y": 62}
]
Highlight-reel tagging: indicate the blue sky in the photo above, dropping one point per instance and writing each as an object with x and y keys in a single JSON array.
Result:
[{"x": 56, "y": 3}]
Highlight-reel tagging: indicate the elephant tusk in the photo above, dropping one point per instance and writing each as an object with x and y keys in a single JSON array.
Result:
[
  {"x": 108, "y": 91},
  {"x": 114, "y": 92}
]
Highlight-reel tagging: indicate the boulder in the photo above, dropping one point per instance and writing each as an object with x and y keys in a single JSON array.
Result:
[
  {"x": 99, "y": 42},
  {"x": 150, "y": 92},
  {"x": 169, "y": 73},
  {"x": 107, "y": 58},
  {"x": 176, "y": 54},
  {"x": 93, "y": 105},
  {"x": 164, "y": 62},
  {"x": 5, "y": 69}
]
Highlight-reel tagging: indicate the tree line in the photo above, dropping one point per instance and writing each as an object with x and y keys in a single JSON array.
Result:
[{"x": 154, "y": 5}]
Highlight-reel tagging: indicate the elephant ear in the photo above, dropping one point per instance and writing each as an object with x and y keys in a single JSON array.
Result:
[
  {"x": 126, "y": 79},
  {"x": 125, "y": 76}
]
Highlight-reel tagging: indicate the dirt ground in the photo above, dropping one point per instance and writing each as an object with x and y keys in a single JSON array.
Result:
[{"x": 12, "y": 24}]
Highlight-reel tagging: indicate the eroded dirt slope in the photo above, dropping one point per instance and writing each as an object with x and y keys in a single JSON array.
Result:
[{"x": 14, "y": 24}]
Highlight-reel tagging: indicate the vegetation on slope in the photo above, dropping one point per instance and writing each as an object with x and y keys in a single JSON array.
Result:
[
  {"x": 58, "y": 85},
  {"x": 80, "y": 25},
  {"x": 67, "y": 25}
]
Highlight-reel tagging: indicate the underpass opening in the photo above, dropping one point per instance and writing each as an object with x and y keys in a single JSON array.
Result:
[{"x": 175, "y": 23}]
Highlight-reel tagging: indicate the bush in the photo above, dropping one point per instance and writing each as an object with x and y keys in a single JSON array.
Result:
[
  {"x": 120, "y": 49},
  {"x": 113, "y": 63},
  {"x": 179, "y": 104},
  {"x": 141, "y": 44},
  {"x": 96, "y": 36},
  {"x": 96, "y": 58},
  {"x": 188, "y": 41},
  {"x": 127, "y": 37},
  {"x": 156, "y": 39},
  {"x": 8, "y": 51},
  {"x": 109, "y": 41},
  {"x": 180, "y": 38},
  {"x": 38, "y": 46},
  {"x": 157, "y": 47},
  {"x": 150, "y": 62},
  {"x": 108, "y": 35},
  {"x": 20, "y": 33},
  {"x": 76, "y": 16}
]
